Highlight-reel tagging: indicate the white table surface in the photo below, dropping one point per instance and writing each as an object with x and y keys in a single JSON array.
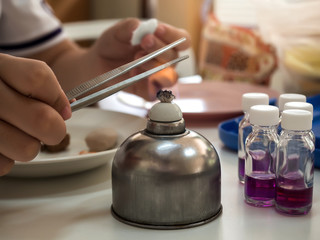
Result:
[{"x": 78, "y": 207}]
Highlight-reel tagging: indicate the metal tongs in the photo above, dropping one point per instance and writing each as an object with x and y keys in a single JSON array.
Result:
[{"x": 101, "y": 79}]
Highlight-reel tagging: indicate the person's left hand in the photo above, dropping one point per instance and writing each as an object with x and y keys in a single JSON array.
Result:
[{"x": 114, "y": 49}]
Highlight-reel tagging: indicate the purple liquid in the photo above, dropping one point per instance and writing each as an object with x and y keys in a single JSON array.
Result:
[
  {"x": 241, "y": 162},
  {"x": 294, "y": 198},
  {"x": 260, "y": 189},
  {"x": 292, "y": 194}
]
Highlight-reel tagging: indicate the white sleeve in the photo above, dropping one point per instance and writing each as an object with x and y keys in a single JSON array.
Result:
[{"x": 27, "y": 27}]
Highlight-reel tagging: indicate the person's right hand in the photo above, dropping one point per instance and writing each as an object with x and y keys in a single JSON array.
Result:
[
  {"x": 33, "y": 108},
  {"x": 113, "y": 49}
]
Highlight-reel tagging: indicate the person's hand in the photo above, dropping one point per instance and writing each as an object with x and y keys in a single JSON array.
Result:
[
  {"x": 113, "y": 49},
  {"x": 33, "y": 108}
]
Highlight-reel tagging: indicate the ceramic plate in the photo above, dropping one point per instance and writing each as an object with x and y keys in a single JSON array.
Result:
[{"x": 69, "y": 161}]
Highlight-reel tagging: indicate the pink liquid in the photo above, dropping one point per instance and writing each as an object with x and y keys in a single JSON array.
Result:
[
  {"x": 260, "y": 189},
  {"x": 292, "y": 194},
  {"x": 241, "y": 163},
  {"x": 293, "y": 198}
]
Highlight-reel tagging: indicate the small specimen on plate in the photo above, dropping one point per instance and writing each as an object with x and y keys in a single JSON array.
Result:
[
  {"x": 58, "y": 147},
  {"x": 101, "y": 139}
]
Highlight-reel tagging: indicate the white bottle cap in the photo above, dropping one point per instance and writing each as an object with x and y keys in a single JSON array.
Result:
[
  {"x": 290, "y": 97},
  {"x": 299, "y": 105},
  {"x": 295, "y": 119},
  {"x": 251, "y": 99},
  {"x": 264, "y": 115}
]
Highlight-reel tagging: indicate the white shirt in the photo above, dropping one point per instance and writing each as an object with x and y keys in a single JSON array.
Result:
[{"x": 27, "y": 27}]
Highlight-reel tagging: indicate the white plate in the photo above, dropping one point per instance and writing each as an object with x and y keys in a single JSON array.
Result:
[{"x": 69, "y": 161}]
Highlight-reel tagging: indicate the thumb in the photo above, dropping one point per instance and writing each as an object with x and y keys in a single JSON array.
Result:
[
  {"x": 115, "y": 41},
  {"x": 124, "y": 29}
]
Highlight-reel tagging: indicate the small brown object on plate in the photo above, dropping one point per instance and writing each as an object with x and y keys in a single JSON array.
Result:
[
  {"x": 58, "y": 147},
  {"x": 101, "y": 139}
]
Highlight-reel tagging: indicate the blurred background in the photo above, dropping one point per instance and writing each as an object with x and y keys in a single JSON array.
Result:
[
  {"x": 232, "y": 40},
  {"x": 187, "y": 14},
  {"x": 84, "y": 20},
  {"x": 180, "y": 13}
]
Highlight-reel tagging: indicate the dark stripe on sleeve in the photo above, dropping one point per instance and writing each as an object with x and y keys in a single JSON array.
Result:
[{"x": 32, "y": 43}]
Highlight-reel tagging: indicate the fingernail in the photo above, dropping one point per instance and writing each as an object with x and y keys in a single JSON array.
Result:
[
  {"x": 5, "y": 166},
  {"x": 160, "y": 30},
  {"x": 150, "y": 42},
  {"x": 66, "y": 113}
]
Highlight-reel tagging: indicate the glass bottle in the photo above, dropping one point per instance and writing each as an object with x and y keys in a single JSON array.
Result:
[
  {"x": 261, "y": 151},
  {"x": 290, "y": 97},
  {"x": 286, "y": 98},
  {"x": 302, "y": 106},
  {"x": 295, "y": 160},
  {"x": 248, "y": 100}
]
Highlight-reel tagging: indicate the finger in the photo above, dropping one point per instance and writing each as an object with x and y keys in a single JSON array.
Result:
[
  {"x": 149, "y": 64},
  {"x": 124, "y": 29},
  {"x": 6, "y": 165},
  {"x": 151, "y": 43},
  {"x": 168, "y": 34},
  {"x": 17, "y": 145},
  {"x": 33, "y": 117},
  {"x": 119, "y": 37},
  {"x": 140, "y": 88},
  {"x": 148, "y": 88},
  {"x": 164, "y": 79},
  {"x": 34, "y": 79}
]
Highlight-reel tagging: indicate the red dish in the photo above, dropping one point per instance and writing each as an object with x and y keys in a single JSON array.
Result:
[{"x": 215, "y": 100}]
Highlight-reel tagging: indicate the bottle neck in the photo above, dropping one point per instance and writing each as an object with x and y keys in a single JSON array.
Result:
[
  {"x": 264, "y": 128},
  {"x": 246, "y": 116},
  {"x": 295, "y": 132}
]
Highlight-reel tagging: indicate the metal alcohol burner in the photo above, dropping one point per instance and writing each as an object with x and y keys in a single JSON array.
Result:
[{"x": 166, "y": 176}]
